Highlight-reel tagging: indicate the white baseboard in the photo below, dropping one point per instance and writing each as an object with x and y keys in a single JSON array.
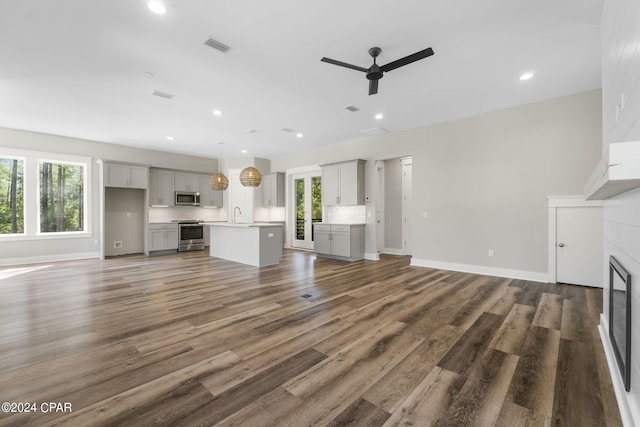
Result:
[
  {"x": 480, "y": 269},
  {"x": 393, "y": 251},
  {"x": 372, "y": 256},
  {"x": 629, "y": 410},
  {"x": 49, "y": 258}
]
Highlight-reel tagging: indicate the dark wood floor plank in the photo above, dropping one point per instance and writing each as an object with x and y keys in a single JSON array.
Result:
[
  {"x": 575, "y": 374},
  {"x": 429, "y": 400},
  {"x": 512, "y": 333},
  {"x": 480, "y": 399},
  {"x": 241, "y": 395},
  {"x": 535, "y": 374},
  {"x": 472, "y": 344},
  {"x": 360, "y": 413},
  {"x": 398, "y": 383}
]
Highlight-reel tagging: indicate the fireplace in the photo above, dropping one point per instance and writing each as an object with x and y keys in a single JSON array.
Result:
[{"x": 620, "y": 317}]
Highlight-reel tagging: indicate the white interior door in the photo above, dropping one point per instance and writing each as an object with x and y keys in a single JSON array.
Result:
[
  {"x": 579, "y": 245},
  {"x": 307, "y": 208}
]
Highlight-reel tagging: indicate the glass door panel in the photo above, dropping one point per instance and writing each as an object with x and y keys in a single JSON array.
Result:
[{"x": 307, "y": 195}]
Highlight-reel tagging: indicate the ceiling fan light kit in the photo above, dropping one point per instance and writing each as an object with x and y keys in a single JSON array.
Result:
[{"x": 375, "y": 72}]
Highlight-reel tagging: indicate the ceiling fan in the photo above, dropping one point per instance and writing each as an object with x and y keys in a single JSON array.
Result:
[{"x": 375, "y": 71}]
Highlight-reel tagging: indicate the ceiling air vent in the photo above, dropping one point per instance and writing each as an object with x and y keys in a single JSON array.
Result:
[
  {"x": 352, "y": 108},
  {"x": 217, "y": 45},
  {"x": 285, "y": 129},
  {"x": 162, "y": 94},
  {"x": 375, "y": 131}
]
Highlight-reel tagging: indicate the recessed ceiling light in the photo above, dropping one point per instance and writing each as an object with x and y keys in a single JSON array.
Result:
[
  {"x": 170, "y": 138},
  {"x": 299, "y": 135},
  {"x": 526, "y": 76},
  {"x": 244, "y": 151},
  {"x": 217, "y": 112},
  {"x": 379, "y": 116},
  {"x": 157, "y": 7}
]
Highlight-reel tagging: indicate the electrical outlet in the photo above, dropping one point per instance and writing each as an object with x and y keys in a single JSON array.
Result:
[
  {"x": 424, "y": 214},
  {"x": 490, "y": 252},
  {"x": 117, "y": 244},
  {"x": 95, "y": 242}
]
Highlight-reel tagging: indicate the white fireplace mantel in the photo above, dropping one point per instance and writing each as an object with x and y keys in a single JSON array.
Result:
[{"x": 616, "y": 173}]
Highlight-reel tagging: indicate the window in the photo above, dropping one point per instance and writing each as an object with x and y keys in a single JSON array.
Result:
[
  {"x": 12, "y": 195},
  {"x": 61, "y": 189},
  {"x": 44, "y": 195}
]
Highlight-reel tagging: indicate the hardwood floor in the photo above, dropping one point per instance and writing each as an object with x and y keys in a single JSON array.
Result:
[{"x": 190, "y": 340}]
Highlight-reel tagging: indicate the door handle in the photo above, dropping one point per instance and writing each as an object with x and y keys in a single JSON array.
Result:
[{"x": 561, "y": 245}]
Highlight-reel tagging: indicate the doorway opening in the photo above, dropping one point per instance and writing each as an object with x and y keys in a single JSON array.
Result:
[{"x": 393, "y": 217}]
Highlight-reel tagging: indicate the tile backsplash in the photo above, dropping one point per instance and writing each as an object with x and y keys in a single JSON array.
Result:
[
  {"x": 186, "y": 212},
  {"x": 346, "y": 214}
]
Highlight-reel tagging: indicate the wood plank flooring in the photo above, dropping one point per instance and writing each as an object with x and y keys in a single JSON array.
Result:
[{"x": 189, "y": 340}]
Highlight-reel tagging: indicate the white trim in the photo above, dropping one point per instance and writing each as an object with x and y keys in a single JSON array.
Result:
[
  {"x": 555, "y": 202},
  {"x": 303, "y": 169},
  {"x": 572, "y": 202},
  {"x": 629, "y": 411},
  {"x": 480, "y": 269},
  {"x": 49, "y": 258},
  {"x": 392, "y": 251},
  {"x": 372, "y": 256}
]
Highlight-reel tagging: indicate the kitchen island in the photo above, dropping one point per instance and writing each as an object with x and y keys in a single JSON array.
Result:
[{"x": 257, "y": 244}]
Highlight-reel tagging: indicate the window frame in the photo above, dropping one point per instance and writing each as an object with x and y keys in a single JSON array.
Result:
[
  {"x": 31, "y": 174},
  {"x": 24, "y": 193}
]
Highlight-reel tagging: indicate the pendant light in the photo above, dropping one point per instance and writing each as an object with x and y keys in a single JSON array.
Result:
[
  {"x": 219, "y": 181},
  {"x": 250, "y": 177}
]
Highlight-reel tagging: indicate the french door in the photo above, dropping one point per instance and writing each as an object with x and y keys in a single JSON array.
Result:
[{"x": 307, "y": 207}]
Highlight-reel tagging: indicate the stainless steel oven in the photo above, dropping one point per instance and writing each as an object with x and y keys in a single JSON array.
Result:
[{"x": 191, "y": 236}]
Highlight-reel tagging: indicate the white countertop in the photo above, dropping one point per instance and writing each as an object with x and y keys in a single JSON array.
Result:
[
  {"x": 339, "y": 223},
  {"x": 254, "y": 224}
]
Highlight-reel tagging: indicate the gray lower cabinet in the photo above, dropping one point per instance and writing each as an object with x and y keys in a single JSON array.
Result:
[
  {"x": 163, "y": 237},
  {"x": 339, "y": 241}
]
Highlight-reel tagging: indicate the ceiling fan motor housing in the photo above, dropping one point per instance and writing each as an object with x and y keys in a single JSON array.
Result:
[{"x": 374, "y": 72}]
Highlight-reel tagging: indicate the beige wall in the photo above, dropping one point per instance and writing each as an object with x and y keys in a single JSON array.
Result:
[
  {"x": 621, "y": 75},
  {"x": 483, "y": 180}
]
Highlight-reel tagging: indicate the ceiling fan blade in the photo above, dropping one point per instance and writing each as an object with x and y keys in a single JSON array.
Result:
[
  {"x": 343, "y": 64},
  {"x": 407, "y": 60},
  {"x": 373, "y": 87}
]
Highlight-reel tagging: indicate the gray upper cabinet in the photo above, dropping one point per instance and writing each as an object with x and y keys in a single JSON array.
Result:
[
  {"x": 209, "y": 198},
  {"x": 343, "y": 183},
  {"x": 187, "y": 182},
  {"x": 273, "y": 189},
  {"x": 161, "y": 187},
  {"x": 125, "y": 176}
]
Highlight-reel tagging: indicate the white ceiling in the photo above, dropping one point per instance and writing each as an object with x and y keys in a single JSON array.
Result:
[{"x": 78, "y": 67}]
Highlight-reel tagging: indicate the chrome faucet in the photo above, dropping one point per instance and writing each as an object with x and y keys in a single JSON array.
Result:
[{"x": 234, "y": 213}]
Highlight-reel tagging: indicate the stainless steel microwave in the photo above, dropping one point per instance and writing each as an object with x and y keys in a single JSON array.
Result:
[{"x": 186, "y": 198}]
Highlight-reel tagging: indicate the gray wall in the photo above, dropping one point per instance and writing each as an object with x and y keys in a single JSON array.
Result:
[
  {"x": 621, "y": 74},
  {"x": 393, "y": 204},
  {"x": 484, "y": 180},
  {"x": 123, "y": 220},
  {"x": 66, "y": 248}
]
